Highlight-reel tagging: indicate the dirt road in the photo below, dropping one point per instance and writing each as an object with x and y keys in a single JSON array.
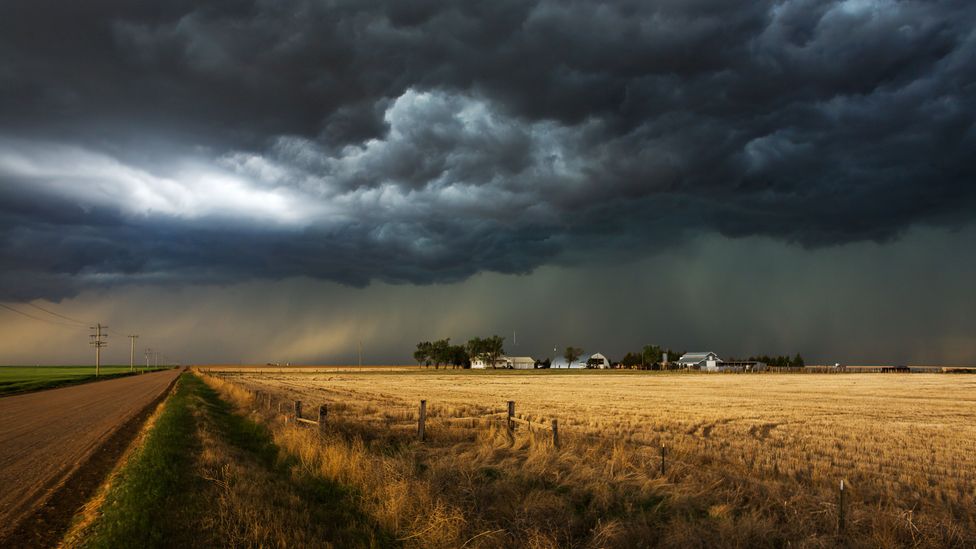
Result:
[{"x": 48, "y": 436}]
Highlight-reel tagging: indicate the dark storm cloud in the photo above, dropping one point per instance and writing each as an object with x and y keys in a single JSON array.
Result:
[{"x": 423, "y": 142}]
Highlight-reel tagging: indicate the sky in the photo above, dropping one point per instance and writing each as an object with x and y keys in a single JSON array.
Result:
[{"x": 284, "y": 182}]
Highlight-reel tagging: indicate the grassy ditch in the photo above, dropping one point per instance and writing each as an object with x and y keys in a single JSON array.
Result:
[
  {"x": 155, "y": 496},
  {"x": 206, "y": 476}
]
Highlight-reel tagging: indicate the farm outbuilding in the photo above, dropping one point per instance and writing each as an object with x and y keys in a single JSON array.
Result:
[{"x": 699, "y": 361}]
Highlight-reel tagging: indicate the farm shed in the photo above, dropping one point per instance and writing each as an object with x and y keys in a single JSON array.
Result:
[
  {"x": 738, "y": 366},
  {"x": 519, "y": 362},
  {"x": 700, "y": 361}
]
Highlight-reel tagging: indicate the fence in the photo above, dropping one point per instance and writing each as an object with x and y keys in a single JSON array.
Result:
[{"x": 292, "y": 411}]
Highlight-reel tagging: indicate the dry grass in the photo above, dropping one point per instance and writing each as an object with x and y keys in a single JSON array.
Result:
[{"x": 754, "y": 460}]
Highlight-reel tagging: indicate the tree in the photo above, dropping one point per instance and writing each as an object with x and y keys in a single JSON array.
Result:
[
  {"x": 440, "y": 352},
  {"x": 488, "y": 350},
  {"x": 631, "y": 360},
  {"x": 423, "y": 353},
  {"x": 798, "y": 360},
  {"x": 494, "y": 349},
  {"x": 458, "y": 357},
  {"x": 571, "y": 355},
  {"x": 651, "y": 354}
]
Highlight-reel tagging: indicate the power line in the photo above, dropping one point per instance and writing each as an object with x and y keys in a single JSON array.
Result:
[
  {"x": 39, "y": 308},
  {"x": 39, "y": 319}
]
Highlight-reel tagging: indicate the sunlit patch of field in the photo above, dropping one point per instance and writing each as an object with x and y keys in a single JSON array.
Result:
[{"x": 751, "y": 459}]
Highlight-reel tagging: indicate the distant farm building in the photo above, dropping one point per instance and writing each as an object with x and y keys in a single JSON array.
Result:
[
  {"x": 508, "y": 362},
  {"x": 560, "y": 362},
  {"x": 597, "y": 360},
  {"x": 739, "y": 366},
  {"x": 699, "y": 361}
]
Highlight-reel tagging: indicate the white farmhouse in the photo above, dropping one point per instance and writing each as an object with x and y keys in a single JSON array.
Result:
[
  {"x": 509, "y": 362},
  {"x": 700, "y": 361}
]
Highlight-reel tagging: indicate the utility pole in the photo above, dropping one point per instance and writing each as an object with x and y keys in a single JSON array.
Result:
[
  {"x": 97, "y": 341},
  {"x": 132, "y": 351},
  {"x": 360, "y": 354},
  {"x": 148, "y": 354},
  {"x": 157, "y": 358}
]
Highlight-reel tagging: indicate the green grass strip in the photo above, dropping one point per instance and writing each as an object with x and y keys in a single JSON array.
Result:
[{"x": 149, "y": 503}]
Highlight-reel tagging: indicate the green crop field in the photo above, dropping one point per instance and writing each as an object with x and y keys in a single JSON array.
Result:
[{"x": 22, "y": 379}]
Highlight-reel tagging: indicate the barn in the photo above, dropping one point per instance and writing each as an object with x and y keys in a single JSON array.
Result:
[{"x": 597, "y": 360}]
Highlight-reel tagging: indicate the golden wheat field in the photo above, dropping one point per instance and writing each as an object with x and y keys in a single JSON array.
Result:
[{"x": 750, "y": 460}]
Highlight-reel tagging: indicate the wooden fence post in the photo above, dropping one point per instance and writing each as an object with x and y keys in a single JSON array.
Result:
[
  {"x": 840, "y": 511},
  {"x": 323, "y": 413},
  {"x": 662, "y": 459},
  {"x": 279, "y": 406},
  {"x": 511, "y": 416},
  {"x": 555, "y": 433},
  {"x": 298, "y": 409},
  {"x": 422, "y": 421}
]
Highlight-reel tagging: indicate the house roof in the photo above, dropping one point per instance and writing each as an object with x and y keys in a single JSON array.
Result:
[
  {"x": 696, "y": 357},
  {"x": 520, "y": 358}
]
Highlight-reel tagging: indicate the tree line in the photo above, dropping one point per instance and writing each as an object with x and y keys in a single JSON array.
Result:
[{"x": 442, "y": 353}]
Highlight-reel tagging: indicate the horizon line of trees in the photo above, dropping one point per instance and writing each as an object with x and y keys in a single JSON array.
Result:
[{"x": 442, "y": 353}]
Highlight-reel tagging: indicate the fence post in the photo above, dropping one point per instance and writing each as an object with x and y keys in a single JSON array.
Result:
[
  {"x": 555, "y": 433},
  {"x": 422, "y": 421},
  {"x": 840, "y": 511},
  {"x": 511, "y": 416},
  {"x": 279, "y": 406},
  {"x": 298, "y": 409},
  {"x": 662, "y": 459},
  {"x": 323, "y": 412}
]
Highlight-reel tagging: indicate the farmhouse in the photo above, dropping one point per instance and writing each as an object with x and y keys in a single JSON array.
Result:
[
  {"x": 699, "y": 361},
  {"x": 509, "y": 362}
]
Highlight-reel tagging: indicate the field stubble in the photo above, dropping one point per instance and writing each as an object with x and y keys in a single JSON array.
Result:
[{"x": 752, "y": 459}]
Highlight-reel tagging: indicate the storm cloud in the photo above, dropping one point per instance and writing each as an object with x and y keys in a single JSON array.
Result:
[{"x": 425, "y": 142}]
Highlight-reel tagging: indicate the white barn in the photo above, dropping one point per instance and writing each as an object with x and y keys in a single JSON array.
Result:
[
  {"x": 597, "y": 360},
  {"x": 700, "y": 361}
]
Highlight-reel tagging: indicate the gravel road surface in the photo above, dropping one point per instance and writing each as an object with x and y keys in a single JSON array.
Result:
[{"x": 45, "y": 437}]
